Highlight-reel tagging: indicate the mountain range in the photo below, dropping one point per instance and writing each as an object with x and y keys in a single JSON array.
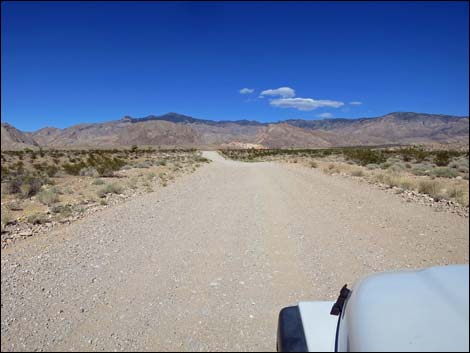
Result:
[{"x": 176, "y": 130}]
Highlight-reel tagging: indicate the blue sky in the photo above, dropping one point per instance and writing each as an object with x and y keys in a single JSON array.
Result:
[{"x": 72, "y": 62}]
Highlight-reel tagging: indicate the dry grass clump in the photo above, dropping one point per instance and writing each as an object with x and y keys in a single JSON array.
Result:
[
  {"x": 357, "y": 172},
  {"x": 37, "y": 218},
  {"x": 110, "y": 189},
  {"x": 430, "y": 187},
  {"x": 396, "y": 180},
  {"x": 6, "y": 219},
  {"x": 48, "y": 197},
  {"x": 98, "y": 182}
]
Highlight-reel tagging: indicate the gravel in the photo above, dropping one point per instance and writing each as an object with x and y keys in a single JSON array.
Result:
[{"x": 207, "y": 262}]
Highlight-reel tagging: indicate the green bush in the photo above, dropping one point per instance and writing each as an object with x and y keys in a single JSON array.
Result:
[
  {"x": 75, "y": 168},
  {"x": 364, "y": 156},
  {"x": 412, "y": 153},
  {"x": 442, "y": 158}
]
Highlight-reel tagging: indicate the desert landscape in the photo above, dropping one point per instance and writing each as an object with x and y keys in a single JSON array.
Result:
[
  {"x": 216, "y": 253},
  {"x": 101, "y": 245},
  {"x": 234, "y": 176}
]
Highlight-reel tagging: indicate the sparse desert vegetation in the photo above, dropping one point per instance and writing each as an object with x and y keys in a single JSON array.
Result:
[
  {"x": 56, "y": 186},
  {"x": 438, "y": 173}
]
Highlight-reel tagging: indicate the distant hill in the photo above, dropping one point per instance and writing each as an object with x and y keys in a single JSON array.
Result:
[
  {"x": 176, "y": 130},
  {"x": 14, "y": 139}
]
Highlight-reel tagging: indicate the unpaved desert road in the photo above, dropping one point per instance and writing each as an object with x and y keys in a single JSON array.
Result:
[{"x": 207, "y": 262}]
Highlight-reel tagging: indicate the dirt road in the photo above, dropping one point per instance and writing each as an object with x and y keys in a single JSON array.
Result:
[{"x": 207, "y": 262}]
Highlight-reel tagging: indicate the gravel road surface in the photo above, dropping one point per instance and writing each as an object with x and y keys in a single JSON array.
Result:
[{"x": 207, "y": 262}]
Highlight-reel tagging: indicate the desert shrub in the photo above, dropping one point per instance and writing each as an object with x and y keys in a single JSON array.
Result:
[
  {"x": 395, "y": 179},
  {"x": 62, "y": 210},
  {"x": 143, "y": 165},
  {"x": 404, "y": 182},
  {"x": 385, "y": 165},
  {"x": 37, "y": 218},
  {"x": 31, "y": 186},
  {"x": 15, "y": 206},
  {"x": 331, "y": 169},
  {"x": 51, "y": 170},
  {"x": 372, "y": 166},
  {"x": 364, "y": 156},
  {"x": 357, "y": 172},
  {"x": 74, "y": 168},
  {"x": 98, "y": 182},
  {"x": 26, "y": 185},
  {"x": 110, "y": 189},
  {"x": 205, "y": 160},
  {"x": 444, "y": 172},
  {"x": 313, "y": 164},
  {"x": 5, "y": 172},
  {"x": 412, "y": 153},
  {"x": 89, "y": 172},
  {"x": 132, "y": 183},
  {"x": 107, "y": 166},
  {"x": 441, "y": 159},
  {"x": 461, "y": 165},
  {"x": 6, "y": 218},
  {"x": 455, "y": 192},
  {"x": 462, "y": 169},
  {"x": 429, "y": 187},
  {"x": 397, "y": 167},
  {"x": 421, "y": 170},
  {"x": 151, "y": 175},
  {"x": 38, "y": 166},
  {"x": 48, "y": 197},
  {"x": 161, "y": 162}
]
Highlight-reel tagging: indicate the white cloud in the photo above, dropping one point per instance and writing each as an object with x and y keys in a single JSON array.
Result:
[
  {"x": 246, "y": 90},
  {"x": 284, "y": 92},
  {"x": 325, "y": 115},
  {"x": 355, "y": 103},
  {"x": 304, "y": 103}
]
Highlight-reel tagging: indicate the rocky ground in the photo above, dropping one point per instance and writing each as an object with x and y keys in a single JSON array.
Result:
[{"x": 207, "y": 262}]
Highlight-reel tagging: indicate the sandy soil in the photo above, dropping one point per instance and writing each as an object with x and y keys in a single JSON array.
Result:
[{"x": 207, "y": 262}]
